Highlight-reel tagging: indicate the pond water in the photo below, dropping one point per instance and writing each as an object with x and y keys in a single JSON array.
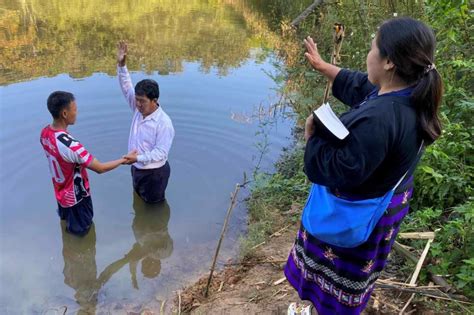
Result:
[{"x": 212, "y": 67}]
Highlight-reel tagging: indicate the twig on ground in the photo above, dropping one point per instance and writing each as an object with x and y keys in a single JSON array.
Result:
[
  {"x": 395, "y": 283},
  {"x": 255, "y": 298},
  {"x": 394, "y": 307},
  {"x": 281, "y": 296},
  {"x": 277, "y": 233},
  {"x": 259, "y": 283},
  {"x": 279, "y": 281},
  {"x": 258, "y": 245},
  {"x": 407, "y": 304},
  {"x": 278, "y": 291},
  {"x": 435, "y": 293},
  {"x": 258, "y": 262}
]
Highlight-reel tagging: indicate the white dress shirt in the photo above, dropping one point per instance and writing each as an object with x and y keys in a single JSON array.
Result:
[{"x": 151, "y": 136}]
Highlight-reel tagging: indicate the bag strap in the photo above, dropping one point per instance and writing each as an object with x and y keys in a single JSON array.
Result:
[{"x": 418, "y": 156}]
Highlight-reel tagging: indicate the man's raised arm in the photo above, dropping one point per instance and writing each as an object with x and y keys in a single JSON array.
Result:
[{"x": 123, "y": 75}]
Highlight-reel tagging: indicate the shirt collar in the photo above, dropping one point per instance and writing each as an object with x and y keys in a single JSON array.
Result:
[{"x": 155, "y": 115}]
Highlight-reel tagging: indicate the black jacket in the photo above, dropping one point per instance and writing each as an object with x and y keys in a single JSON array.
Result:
[{"x": 382, "y": 145}]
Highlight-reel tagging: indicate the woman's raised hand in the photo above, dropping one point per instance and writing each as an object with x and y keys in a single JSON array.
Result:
[{"x": 312, "y": 54}]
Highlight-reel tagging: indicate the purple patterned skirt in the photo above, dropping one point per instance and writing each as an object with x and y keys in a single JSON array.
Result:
[{"x": 340, "y": 280}]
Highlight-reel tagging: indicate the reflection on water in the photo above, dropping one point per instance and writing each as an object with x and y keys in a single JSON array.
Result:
[
  {"x": 46, "y": 38},
  {"x": 153, "y": 242},
  {"x": 80, "y": 268}
]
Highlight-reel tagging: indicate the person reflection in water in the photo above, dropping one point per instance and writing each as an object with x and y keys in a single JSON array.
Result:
[
  {"x": 153, "y": 242},
  {"x": 80, "y": 269}
]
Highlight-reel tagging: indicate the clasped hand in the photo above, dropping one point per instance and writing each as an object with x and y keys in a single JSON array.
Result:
[{"x": 131, "y": 157}]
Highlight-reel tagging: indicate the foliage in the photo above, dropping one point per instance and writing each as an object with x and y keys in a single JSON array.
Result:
[
  {"x": 454, "y": 244},
  {"x": 454, "y": 28},
  {"x": 446, "y": 173},
  {"x": 276, "y": 199}
]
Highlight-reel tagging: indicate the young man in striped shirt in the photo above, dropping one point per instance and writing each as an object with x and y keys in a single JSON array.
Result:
[{"x": 68, "y": 161}]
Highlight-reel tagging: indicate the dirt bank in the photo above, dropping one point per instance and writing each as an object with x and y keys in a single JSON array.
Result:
[{"x": 254, "y": 286}]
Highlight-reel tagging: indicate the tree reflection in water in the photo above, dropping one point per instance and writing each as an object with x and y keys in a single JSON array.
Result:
[{"x": 50, "y": 37}]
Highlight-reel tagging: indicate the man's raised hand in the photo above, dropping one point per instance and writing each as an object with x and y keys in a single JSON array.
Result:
[{"x": 122, "y": 49}]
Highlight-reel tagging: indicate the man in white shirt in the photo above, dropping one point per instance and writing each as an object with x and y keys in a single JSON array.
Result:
[{"x": 151, "y": 133}]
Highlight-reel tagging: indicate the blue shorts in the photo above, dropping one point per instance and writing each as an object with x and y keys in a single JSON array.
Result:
[{"x": 78, "y": 217}]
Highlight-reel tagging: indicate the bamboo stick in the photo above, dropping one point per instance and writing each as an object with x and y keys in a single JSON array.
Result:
[
  {"x": 406, "y": 304},
  {"x": 338, "y": 38},
  {"x": 224, "y": 227},
  {"x": 417, "y": 272},
  {"x": 401, "y": 249},
  {"x": 445, "y": 287},
  {"x": 420, "y": 262},
  {"x": 417, "y": 235},
  {"x": 432, "y": 293}
]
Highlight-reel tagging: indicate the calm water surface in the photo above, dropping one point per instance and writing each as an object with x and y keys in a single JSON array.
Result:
[{"x": 211, "y": 66}]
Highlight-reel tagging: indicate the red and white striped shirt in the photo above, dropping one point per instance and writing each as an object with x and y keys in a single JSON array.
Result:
[{"x": 68, "y": 160}]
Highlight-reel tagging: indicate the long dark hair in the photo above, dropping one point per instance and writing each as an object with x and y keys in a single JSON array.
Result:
[{"x": 410, "y": 45}]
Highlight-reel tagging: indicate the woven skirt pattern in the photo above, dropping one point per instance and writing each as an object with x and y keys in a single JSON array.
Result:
[{"x": 340, "y": 280}]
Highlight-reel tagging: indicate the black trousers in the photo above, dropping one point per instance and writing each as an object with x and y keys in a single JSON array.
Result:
[{"x": 150, "y": 184}]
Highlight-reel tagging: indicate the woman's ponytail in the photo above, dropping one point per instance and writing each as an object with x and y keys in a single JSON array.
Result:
[{"x": 427, "y": 99}]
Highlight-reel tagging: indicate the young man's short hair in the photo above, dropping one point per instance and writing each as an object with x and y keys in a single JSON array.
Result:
[
  {"x": 148, "y": 88},
  {"x": 57, "y": 101}
]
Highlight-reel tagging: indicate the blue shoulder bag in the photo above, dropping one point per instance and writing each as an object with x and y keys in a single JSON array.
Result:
[{"x": 342, "y": 222}]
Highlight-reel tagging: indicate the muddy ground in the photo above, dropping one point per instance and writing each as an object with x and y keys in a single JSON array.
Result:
[{"x": 254, "y": 285}]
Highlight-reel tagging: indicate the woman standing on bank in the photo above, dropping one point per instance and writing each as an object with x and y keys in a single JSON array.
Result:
[{"x": 394, "y": 112}]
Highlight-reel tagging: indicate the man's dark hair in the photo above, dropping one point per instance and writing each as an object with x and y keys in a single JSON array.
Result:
[
  {"x": 57, "y": 101},
  {"x": 148, "y": 88}
]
